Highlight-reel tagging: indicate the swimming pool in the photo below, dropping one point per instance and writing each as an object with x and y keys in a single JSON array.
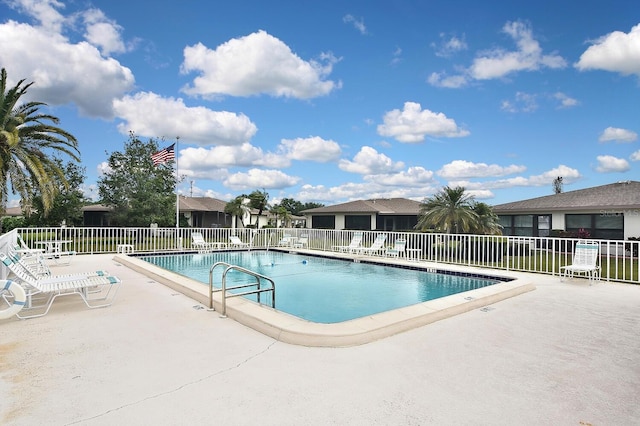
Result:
[{"x": 326, "y": 290}]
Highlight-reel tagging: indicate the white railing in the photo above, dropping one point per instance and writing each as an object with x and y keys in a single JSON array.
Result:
[{"x": 618, "y": 259}]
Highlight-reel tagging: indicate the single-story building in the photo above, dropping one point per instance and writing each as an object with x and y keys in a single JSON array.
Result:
[
  {"x": 205, "y": 212},
  {"x": 200, "y": 212},
  {"x": 608, "y": 212},
  {"x": 381, "y": 214}
]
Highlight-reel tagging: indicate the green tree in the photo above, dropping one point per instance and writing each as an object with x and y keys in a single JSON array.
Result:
[
  {"x": 279, "y": 211},
  {"x": 27, "y": 139},
  {"x": 450, "y": 211},
  {"x": 68, "y": 202},
  {"x": 292, "y": 206},
  {"x": 487, "y": 222},
  {"x": 238, "y": 207},
  {"x": 259, "y": 200},
  {"x": 310, "y": 205},
  {"x": 139, "y": 192}
]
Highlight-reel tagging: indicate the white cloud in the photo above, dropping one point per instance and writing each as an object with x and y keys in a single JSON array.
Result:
[
  {"x": 103, "y": 33},
  {"x": 523, "y": 102},
  {"x": 611, "y": 164},
  {"x": 465, "y": 169},
  {"x": 310, "y": 149},
  {"x": 255, "y": 64},
  {"x": 565, "y": 101},
  {"x": 617, "y": 134},
  {"x": 146, "y": 114},
  {"x": 449, "y": 45},
  {"x": 369, "y": 161},
  {"x": 498, "y": 63},
  {"x": 412, "y": 177},
  {"x": 397, "y": 56},
  {"x": 203, "y": 161},
  {"x": 635, "y": 156},
  {"x": 568, "y": 174},
  {"x": 449, "y": 82},
  {"x": 481, "y": 194},
  {"x": 44, "y": 11},
  {"x": 358, "y": 24},
  {"x": 412, "y": 124},
  {"x": 257, "y": 178},
  {"x": 60, "y": 69},
  {"x": 358, "y": 191},
  {"x": 616, "y": 52}
]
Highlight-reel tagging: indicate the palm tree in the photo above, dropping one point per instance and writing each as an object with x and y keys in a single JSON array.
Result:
[
  {"x": 237, "y": 208},
  {"x": 487, "y": 223},
  {"x": 450, "y": 211},
  {"x": 25, "y": 136},
  {"x": 259, "y": 200},
  {"x": 279, "y": 211}
]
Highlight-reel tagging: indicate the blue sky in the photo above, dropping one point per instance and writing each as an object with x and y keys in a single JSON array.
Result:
[{"x": 335, "y": 101}]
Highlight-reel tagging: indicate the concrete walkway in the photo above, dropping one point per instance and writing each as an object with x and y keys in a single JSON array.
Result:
[{"x": 563, "y": 354}]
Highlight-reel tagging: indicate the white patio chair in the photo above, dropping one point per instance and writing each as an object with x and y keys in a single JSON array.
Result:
[
  {"x": 353, "y": 245},
  {"x": 285, "y": 241},
  {"x": 237, "y": 242},
  {"x": 302, "y": 242},
  {"x": 376, "y": 247},
  {"x": 585, "y": 261},
  {"x": 398, "y": 249},
  {"x": 91, "y": 288},
  {"x": 199, "y": 243}
]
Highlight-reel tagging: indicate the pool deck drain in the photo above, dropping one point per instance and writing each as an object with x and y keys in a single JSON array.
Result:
[{"x": 290, "y": 329}]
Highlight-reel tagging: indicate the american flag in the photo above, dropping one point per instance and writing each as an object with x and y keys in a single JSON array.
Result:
[{"x": 163, "y": 155}]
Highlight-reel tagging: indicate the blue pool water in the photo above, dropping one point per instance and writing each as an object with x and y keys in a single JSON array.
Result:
[{"x": 325, "y": 290}]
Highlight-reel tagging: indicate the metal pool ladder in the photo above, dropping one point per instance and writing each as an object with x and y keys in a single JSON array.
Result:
[{"x": 258, "y": 288}]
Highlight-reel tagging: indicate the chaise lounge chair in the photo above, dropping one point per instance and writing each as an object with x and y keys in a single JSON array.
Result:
[
  {"x": 51, "y": 250},
  {"x": 286, "y": 241},
  {"x": 398, "y": 249},
  {"x": 199, "y": 243},
  {"x": 89, "y": 287},
  {"x": 353, "y": 245},
  {"x": 375, "y": 248},
  {"x": 585, "y": 261},
  {"x": 237, "y": 242},
  {"x": 302, "y": 242}
]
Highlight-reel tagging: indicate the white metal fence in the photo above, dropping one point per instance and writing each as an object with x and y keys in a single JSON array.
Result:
[{"x": 618, "y": 259}]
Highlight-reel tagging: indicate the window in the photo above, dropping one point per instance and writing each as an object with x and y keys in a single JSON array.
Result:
[
  {"x": 525, "y": 225},
  {"x": 323, "y": 222},
  {"x": 360, "y": 222},
  {"x": 603, "y": 225}
]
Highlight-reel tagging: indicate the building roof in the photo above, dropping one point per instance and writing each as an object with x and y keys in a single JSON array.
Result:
[
  {"x": 620, "y": 195},
  {"x": 13, "y": 211},
  {"x": 381, "y": 206},
  {"x": 203, "y": 204},
  {"x": 96, "y": 208}
]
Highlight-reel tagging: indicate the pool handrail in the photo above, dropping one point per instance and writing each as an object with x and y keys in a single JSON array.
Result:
[{"x": 224, "y": 288}]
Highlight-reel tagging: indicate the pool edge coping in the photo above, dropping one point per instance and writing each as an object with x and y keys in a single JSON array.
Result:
[{"x": 293, "y": 330}]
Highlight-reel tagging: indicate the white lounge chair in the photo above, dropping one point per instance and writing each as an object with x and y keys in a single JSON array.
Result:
[
  {"x": 51, "y": 250},
  {"x": 90, "y": 288},
  {"x": 237, "y": 242},
  {"x": 353, "y": 245},
  {"x": 585, "y": 261},
  {"x": 302, "y": 242},
  {"x": 398, "y": 249},
  {"x": 285, "y": 241},
  {"x": 199, "y": 243},
  {"x": 375, "y": 248}
]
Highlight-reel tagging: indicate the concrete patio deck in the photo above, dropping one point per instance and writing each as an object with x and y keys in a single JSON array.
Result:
[{"x": 564, "y": 354}]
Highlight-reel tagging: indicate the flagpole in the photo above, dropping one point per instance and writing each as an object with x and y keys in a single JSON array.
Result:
[{"x": 177, "y": 182}]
